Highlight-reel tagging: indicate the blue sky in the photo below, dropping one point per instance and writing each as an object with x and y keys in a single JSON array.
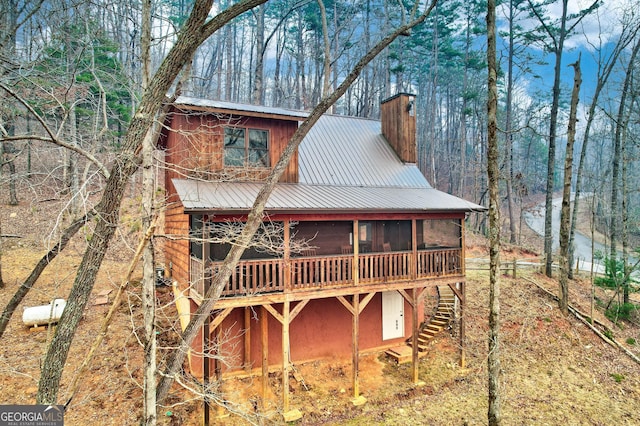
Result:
[{"x": 599, "y": 30}]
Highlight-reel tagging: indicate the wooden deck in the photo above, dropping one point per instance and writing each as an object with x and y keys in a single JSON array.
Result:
[{"x": 303, "y": 274}]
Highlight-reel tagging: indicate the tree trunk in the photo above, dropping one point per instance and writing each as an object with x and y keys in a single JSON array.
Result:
[
  {"x": 625, "y": 219},
  {"x": 551, "y": 159},
  {"x": 149, "y": 414},
  {"x": 508, "y": 130},
  {"x": 257, "y": 97},
  {"x": 75, "y": 204},
  {"x": 194, "y": 32},
  {"x": 326, "y": 79},
  {"x": 603, "y": 76},
  {"x": 565, "y": 213},
  {"x": 620, "y": 139},
  {"x": 494, "y": 414}
]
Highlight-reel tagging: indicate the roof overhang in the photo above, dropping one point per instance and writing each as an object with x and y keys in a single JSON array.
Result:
[
  {"x": 239, "y": 197},
  {"x": 232, "y": 108}
]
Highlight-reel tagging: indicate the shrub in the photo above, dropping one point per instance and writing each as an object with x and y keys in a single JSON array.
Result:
[{"x": 623, "y": 312}]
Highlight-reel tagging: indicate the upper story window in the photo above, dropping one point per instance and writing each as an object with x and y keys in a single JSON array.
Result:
[{"x": 246, "y": 147}]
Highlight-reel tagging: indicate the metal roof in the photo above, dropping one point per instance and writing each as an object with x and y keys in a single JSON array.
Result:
[
  {"x": 345, "y": 164},
  {"x": 341, "y": 150},
  {"x": 238, "y": 197},
  {"x": 239, "y": 108}
]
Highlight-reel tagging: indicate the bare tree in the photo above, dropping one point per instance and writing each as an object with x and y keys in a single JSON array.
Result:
[
  {"x": 553, "y": 36},
  {"x": 565, "y": 213},
  {"x": 494, "y": 414},
  {"x": 605, "y": 68},
  {"x": 620, "y": 128},
  {"x": 149, "y": 414},
  {"x": 197, "y": 28}
]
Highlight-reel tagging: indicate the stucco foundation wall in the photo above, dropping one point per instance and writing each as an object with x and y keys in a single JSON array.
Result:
[{"x": 321, "y": 330}]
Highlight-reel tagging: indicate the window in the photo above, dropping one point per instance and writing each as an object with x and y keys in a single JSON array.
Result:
[{"x": 246, "y": 147}]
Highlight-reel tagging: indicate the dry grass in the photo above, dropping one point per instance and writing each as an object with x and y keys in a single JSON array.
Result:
[{"x": 555, "y": 370}]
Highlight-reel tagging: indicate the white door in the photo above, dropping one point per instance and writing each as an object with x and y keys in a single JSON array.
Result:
[{"x": 392, "y": 315}]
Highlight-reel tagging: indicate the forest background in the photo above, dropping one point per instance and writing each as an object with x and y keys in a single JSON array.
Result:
[{"x": 71, "y": 79}]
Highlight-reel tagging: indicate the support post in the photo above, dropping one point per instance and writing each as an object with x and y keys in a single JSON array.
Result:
[
  {"x": 414, "y": 337},
  {"x": 463, "y": 361},
  {"x": 206, "y": 338},
  {"x": 264, "y": 337},
  {"x": 355, "y": 333},
  {"x": 414, "y": 249},
  {"x": 356, "y": 253},
  {"x": 285, "y": 356},
  {"x": 247, "y": 339},
  {"x": 218, "y": 369},
  {"x": 287, "y": 256}
]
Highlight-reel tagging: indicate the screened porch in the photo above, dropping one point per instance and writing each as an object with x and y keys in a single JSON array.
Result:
[{"x": 311, "y": 255}]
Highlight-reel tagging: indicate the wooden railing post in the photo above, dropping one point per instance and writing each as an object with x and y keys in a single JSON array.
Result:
[
  {"x": 414, "y": 249},
  {"x": 356, "y": 250},
  {"x": 287, "y": 258}
]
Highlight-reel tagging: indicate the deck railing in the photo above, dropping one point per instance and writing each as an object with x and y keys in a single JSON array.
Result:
[{"x": 313, "y": 272}]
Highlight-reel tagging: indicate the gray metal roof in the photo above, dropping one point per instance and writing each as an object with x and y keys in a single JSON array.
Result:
[
  {"x": 241, "y": 108},
  {"x": 239, "y": 197},
  {"x": 341, "y": 150},
  {"x": 345, "y": 165}
]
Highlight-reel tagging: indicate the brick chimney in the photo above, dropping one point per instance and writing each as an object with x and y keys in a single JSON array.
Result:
[{"x": 399, "y": 125}]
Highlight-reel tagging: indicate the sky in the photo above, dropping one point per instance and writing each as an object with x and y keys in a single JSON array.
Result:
[{"x": 601, "y": 28}]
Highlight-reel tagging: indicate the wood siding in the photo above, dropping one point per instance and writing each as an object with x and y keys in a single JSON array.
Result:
[
  {"x": 399, "y": 125},
  {"x": 176, "y": 248},
  {"x": 194, "y": 147}
]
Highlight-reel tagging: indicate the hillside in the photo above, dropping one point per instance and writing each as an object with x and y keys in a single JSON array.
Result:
[{"x": 555, "y": 370}]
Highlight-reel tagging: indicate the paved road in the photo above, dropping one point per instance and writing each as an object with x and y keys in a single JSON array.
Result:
[{"x": 582, "y": 253}]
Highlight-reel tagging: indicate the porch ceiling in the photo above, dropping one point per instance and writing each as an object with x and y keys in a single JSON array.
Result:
[{"x": 239, "y": 197}]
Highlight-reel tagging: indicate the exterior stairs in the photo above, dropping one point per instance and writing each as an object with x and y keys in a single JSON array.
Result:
[{"x": 429, "y": 329}]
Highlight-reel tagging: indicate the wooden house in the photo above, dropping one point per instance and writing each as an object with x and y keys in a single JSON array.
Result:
[{"x": 356, "y": 235}]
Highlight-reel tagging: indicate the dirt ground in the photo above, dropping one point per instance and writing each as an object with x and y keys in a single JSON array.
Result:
[{"x": 555, "y": 370}]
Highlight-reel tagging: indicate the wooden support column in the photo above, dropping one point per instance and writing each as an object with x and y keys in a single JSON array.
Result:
[
  {"x": 218, "y": 371},
  {"x": 285, "y": 319},
  {"x": 285, "y": 356},
  {"x": 247, "y": 339},
  {"x": 355, "y": 308},
  {"x": 463, "y": 361},
  {"x": 414, "y": 249},
  {"x": 206, "y": 338},
  {"x": 206, "y": 343},
  {"x": 462, "y": 246},
  {"x": 264, "y": 337},
  {"x": 287, "y": 256},
  {"x": 356, "y": 253},
  {"x": 415, "y": 300},
  {"x": 414, "y": 336},
  {"x": 355, "y": 338}
]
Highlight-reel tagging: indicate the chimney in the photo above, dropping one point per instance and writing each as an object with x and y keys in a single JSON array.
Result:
[{"x": 398, "y": 115}]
